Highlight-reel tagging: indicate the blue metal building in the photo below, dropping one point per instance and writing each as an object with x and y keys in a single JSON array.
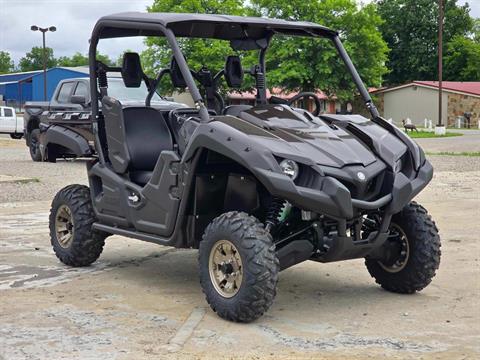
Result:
[{"x": 18, "y": 88}]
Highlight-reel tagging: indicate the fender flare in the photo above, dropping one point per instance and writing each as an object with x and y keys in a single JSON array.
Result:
[
  {"x": 67, "y": 138},
  {"x": 237, "y": 146},
  {"x": 31, "y": 123},
  {"x": 333, "y": 200}
]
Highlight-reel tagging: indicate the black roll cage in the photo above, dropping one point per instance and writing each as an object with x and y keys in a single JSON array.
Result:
[{"x": 150, "y": 28}]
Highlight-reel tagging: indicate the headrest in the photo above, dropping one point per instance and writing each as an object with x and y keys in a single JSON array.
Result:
[
  {"x": 233, "y": 71},
  {"x": 132, "y": 73},
  {"x": 178, "y": 80}
]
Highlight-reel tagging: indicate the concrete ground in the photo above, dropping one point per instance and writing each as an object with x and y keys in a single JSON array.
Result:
[{"x": 143, "y": 301}]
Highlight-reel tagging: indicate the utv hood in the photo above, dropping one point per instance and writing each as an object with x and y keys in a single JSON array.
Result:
[{"x": 329, "y": 142}]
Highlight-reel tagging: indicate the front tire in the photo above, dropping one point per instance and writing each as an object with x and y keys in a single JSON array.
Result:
[
  {"x": 34, "y": 145},
  {"x": 16, "y": 136},
  {"x": 418, "y": 252},
  {"x": 238, "y": 267},
  {"x": 71, "y": 218}
]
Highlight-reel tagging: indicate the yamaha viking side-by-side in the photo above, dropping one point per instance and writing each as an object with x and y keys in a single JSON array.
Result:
[{"x": 256, "y": 189}]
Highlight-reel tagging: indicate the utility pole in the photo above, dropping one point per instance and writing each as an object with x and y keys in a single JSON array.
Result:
[
  {"x": 440, "y": 126},
  {"x": 43, "y": 31}
]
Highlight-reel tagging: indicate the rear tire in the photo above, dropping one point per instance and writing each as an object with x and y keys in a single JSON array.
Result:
[
  {"x": 422, "y": 253},
  {"x": 237, "y": 248},
  {"x": 71, "y": 218},
  {"x": 16, "y": 136},
  {"x": 34, "y": 145}
]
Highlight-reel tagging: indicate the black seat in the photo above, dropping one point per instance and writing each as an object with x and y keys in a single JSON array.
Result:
[
  {"x": 234, "y": 77},
  {"x": 147, "y": 135},
  {"x": 135, "y": 135}
]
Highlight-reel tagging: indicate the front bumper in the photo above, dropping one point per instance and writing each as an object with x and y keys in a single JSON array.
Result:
[{"x": 333, "y": 199}]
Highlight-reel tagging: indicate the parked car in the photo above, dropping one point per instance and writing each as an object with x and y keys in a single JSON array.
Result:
[
  {"x": 62, "y": 127},
  {"x": 257, "y": 189},
  {"x": 10, "y": 123}
]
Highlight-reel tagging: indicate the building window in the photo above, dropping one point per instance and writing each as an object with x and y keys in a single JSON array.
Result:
[{"x": 65, "y": 91}]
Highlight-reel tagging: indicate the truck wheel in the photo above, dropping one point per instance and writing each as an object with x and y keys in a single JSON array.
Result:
[
  {"x": 16, "y": 136},
  {"x": 414, "y": 252},
  {"x": 71, "y": 218},
  {"x": 34, "y": 146},
  {"x": 238, "y": 267}
]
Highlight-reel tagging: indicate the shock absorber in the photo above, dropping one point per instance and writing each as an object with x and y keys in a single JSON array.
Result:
[
  {"x": 102, "y": 80},
  {"x": 273, "y": 213},
  {"x": 260, "y": 80}
]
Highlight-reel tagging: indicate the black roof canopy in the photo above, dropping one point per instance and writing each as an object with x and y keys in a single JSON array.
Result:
[{"x": 224, "y": 27}]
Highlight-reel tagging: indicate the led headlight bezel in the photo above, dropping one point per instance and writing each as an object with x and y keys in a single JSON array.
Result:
[{"x": 290, "y": 168}]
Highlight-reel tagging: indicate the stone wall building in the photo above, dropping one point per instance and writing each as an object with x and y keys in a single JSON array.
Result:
[{"x": 418, "y": 101}]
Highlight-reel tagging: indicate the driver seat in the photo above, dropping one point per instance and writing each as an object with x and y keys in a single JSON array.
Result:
[
  {"x": 135, "y": 135},
  {"x": 234, "y": 77}
]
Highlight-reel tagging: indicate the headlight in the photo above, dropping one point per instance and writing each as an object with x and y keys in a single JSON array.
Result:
[{"x": 289, "y": 168}]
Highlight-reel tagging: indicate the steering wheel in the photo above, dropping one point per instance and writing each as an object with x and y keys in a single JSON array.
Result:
[{"x": 307, "y": 95}]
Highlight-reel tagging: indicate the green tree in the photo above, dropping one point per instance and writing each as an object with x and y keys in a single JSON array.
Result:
[
  {"x": 6, "y": 62},
  {"x": 77, "y": 59},
  {"x": 309, "y": 63},
  {"x": 476, "y": 30},
  {"x": 198, "y": 52},
  {"x": 105, "y": 59},
  {"x": 462, "y": 60},
  {"x": 292, "y": 63},
  {"x": 410, "y": 30},
  {"x": 33, "y": 60}
]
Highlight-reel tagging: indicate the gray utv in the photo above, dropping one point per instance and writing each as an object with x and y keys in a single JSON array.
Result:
[{"x": 256, "y": 189}]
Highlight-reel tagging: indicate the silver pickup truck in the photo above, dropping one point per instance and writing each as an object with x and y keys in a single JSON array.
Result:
[{"x": 62, "y": 127}]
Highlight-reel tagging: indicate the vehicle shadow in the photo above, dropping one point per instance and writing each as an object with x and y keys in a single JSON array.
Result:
[{"x": 309, "y": 287}]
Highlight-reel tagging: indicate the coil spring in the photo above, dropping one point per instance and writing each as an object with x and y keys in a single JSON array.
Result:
[
  {"x": 260, "y": 80},
  {"x": 102, "y": 79},
  {"x": 273, "y": 212}
]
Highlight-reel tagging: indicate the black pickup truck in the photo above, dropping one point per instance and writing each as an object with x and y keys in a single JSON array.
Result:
[{"x": 62, "y": 128}]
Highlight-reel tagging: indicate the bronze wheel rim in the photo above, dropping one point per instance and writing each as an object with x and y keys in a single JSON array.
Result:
[
  {"x": 64, "y": 226},
  {"x": 225, "y": 268},
  {"x": 402, "y": 260}
]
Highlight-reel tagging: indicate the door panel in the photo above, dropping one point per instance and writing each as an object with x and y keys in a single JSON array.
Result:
[
  {"x": 162, "y": 199},
  {"x": 7, "y": 120},
  {"x": 3, "y": 122}
]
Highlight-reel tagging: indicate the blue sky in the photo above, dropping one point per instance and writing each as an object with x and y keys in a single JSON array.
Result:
[{"x": 74, "y": 20}]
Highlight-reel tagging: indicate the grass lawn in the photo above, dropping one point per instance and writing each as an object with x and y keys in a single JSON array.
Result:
[
  {"x": 451, "y": 153},
  {"x": 430, "y": 134}
]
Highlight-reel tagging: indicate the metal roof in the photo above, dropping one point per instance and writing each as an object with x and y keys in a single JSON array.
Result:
[
  {"x": 225, "y": 27},
  {"x": 468, "y": 87},
  {"x": 18, "y": 76},
  {"x": 22, "y": 76}
]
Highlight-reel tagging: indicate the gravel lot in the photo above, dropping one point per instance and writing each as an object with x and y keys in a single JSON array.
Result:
[{"x": 143, "y": 301}]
